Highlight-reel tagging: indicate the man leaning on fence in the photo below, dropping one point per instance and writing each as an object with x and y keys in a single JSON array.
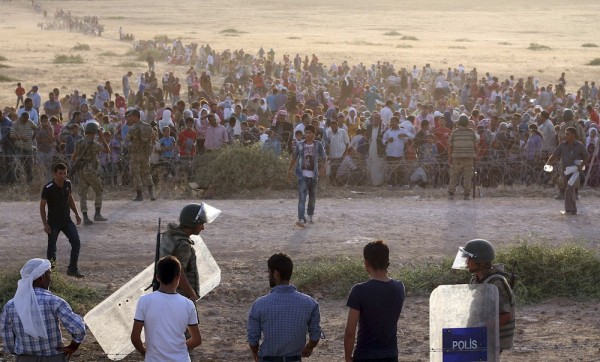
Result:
[{"x": 462, "y": 151}]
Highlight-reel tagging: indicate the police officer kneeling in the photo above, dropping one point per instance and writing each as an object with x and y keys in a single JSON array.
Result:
[{"x": 477, "y": 257}]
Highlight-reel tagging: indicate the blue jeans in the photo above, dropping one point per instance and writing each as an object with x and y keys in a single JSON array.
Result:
[
  {"x": 306, "y": 185},
  {"x": 70, "y": 231}
]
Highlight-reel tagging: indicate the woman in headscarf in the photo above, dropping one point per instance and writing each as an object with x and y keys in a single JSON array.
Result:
[
  {"x": 167, "y": 120},
  {"x": 352, "y": 121}
]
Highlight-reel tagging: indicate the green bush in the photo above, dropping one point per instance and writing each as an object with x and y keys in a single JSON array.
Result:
[
  {"x": 231, "y": 31},
  {"x": 81, "y": 298},
  {"x": 538, "y": 47},
  {"x": 409, "y": 37},
  {"x": 239, "y": 168},
  {"x": 68, "y": 59},
  {"x": 156, "y": 54},
  {"x": 594, "y": 62},
  {"x": 543, "y": 271},
  {"x": 81, "y": 47},
  {"x": 4, "y": 78}
]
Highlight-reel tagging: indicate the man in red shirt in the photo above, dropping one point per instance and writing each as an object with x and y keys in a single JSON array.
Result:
[
  {"x": 594, "y": 117},
  {"x": 441, "y": 134},
  {"x": 187, "y": 140},
  {"x": 120, "y": 102},
  {"x": 20, "y": 91}
]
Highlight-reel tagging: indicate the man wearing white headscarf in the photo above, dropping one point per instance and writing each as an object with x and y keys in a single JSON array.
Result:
[{"x": 30, "y": 322}]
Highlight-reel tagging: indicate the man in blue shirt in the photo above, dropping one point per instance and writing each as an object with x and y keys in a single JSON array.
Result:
[{"x": 283, "y": 317}]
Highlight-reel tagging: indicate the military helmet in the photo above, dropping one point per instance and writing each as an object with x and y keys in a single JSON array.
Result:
[
  {"x": 463, "y": 120},
  {"x": 567, "y": 114},
  {"x": 480, "y": 250},
  {"x": 194, "y": 214},
  {"x": 91, "y": 127}
]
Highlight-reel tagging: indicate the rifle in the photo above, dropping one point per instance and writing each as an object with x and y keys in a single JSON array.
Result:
[{"x": 155, "y": 284}]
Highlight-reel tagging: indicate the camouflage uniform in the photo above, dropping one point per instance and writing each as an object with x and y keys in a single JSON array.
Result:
[
  {"x": 139, "y": 154},
  {"x": 87, "y": 153},
  {"x": 506, "y": 302},
  {"x": 175, "y": 242}
]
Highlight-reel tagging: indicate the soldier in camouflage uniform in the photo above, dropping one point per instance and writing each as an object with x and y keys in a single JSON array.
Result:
[
  {"x": 176, "y": 241},
  {"x": 477, "y": 257},
  {"x": 86, "y": 155},
  {"x": 140, "y": 148}
]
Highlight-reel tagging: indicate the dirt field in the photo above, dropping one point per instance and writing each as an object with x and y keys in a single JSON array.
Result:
[
  {"x": 492, "y": 36},
  {"x": 249, "y": 231}
]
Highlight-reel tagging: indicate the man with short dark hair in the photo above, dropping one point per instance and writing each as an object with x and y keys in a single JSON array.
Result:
[
  {"x": 573, "y": 156},
  {"x": 375, "y": 307},
  {"x": 283, "y": 318},
  {"x": 165, "y": 315},
  {"x": 140, "y": 148},
  {"x": 57, "y": 195},
  {"x": 462, "y": 151},
  {"x": 308, "y": 169}
]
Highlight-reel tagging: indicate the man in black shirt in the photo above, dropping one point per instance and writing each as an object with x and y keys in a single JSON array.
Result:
[
  {"x": 57, "y": 195},
  {"x": 375, "y": 307}
]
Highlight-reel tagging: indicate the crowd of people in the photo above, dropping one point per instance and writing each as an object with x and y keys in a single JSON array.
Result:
[
  {"x": 64, "y": 20},
  {"x": 380, "y": 125}
]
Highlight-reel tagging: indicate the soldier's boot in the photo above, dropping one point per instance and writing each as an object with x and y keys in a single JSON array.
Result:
[
  {"x": 98, "y": 216},
  {"x": 151, "y": 192},
  {"x": 138, "y": 196},
  {"x": 86, "y": 220}
]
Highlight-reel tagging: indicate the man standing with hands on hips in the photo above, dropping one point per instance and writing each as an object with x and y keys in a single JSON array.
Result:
[{"x": 306, "y": 160}]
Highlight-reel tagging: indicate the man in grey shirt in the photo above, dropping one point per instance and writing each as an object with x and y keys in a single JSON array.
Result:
[{"x": 570, "y": 151}]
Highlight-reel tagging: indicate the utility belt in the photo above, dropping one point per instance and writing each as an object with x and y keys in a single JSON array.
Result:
[{"x": 282, "y": 359}]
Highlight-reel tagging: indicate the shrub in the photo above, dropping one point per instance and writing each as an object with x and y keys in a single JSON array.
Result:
[
  {"x": 538, "y": 47},
  {"x": 4, "y": 78},
  {"x": 463, "y": 40},
  {"x": 4, "y": 66},
  {"x": 80, "y": 297},
  {"x": 2, "y": 58},
  {"x": 163, "y": 38},
  {"x": 239, "y": 168},
  {"x": 409, "y": 37},
  {"x": 457, "y": 47},
  {"x": 130, "y": 65},
  {"x": 589, "y": 45},
  {"x": 404, "y": 46},
  {"x": 231, "y": 31},
  {"x": 156, "y": 54},
  {"x": 109, "y": 54},
  {"x": 543, "y": 272},
  {"x": 68, "y": 59},
  {"x": 504, "y": 43},
  {"x": 294, "y": 37},
  {"x": 392, "y": 33},
  {"x": 81, "y": 47},
  {"x": 594, "y": 62}
]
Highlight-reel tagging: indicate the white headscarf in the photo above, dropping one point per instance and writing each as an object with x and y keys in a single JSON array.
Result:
[
  {"x": 25, "y": 301},
  {"x": 166, "y": 120}
]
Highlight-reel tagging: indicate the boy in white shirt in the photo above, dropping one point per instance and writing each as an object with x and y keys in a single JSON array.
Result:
[{"x": 165, "y": 315}]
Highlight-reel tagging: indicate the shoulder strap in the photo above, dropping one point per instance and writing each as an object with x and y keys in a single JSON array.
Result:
[{"x": 501, "y": 276}]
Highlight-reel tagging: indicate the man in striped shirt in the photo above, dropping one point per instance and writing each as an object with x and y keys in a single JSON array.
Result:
[{"x": 30, "y": 322}]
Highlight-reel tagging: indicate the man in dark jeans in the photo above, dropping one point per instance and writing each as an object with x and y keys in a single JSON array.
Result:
[
  {"x": 57, "y": 195},
  {"x": 374, "y": 306}
]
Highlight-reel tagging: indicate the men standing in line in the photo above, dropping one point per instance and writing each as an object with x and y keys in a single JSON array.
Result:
[
  {"x": 57, "y": 195},
  {"x": 176, "y": 242},
  {"x": 283, "y": 318},
  {"x": 308, "y": 169},
  {"x": 140, "y": 148},
  {"x": 164, "y": 316},
  {"x": 338, "y": 146},
  {"x": 126, "y": 86},
  {"x": 462, "y": 151},
  {"x": 30, "y": 322},
  {"x": 21, "y": 134},
  {"x": 573, "y": 155},
  {"x": 375, "y": 307},
  {"x": 86, "y": 156}
]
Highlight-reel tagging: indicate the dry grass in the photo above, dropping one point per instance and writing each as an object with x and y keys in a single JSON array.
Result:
[
  {"x": 595, "y": 62},
  {"x": 589, "y": 45},
  {"x": 392, "y": 33},
  {"x": 68, "y": 59},
  {"x": 538, "y": 47},
  {"x": 409, "y": 37}
]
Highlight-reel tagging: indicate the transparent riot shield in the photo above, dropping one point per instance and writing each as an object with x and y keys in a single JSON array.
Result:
[
  {"x": 111, "y": 320},
  {"x": 463, "y": 323}
]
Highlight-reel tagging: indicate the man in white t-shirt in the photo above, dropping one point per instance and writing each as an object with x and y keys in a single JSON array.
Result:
[{"x": 165, "y": 315}]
